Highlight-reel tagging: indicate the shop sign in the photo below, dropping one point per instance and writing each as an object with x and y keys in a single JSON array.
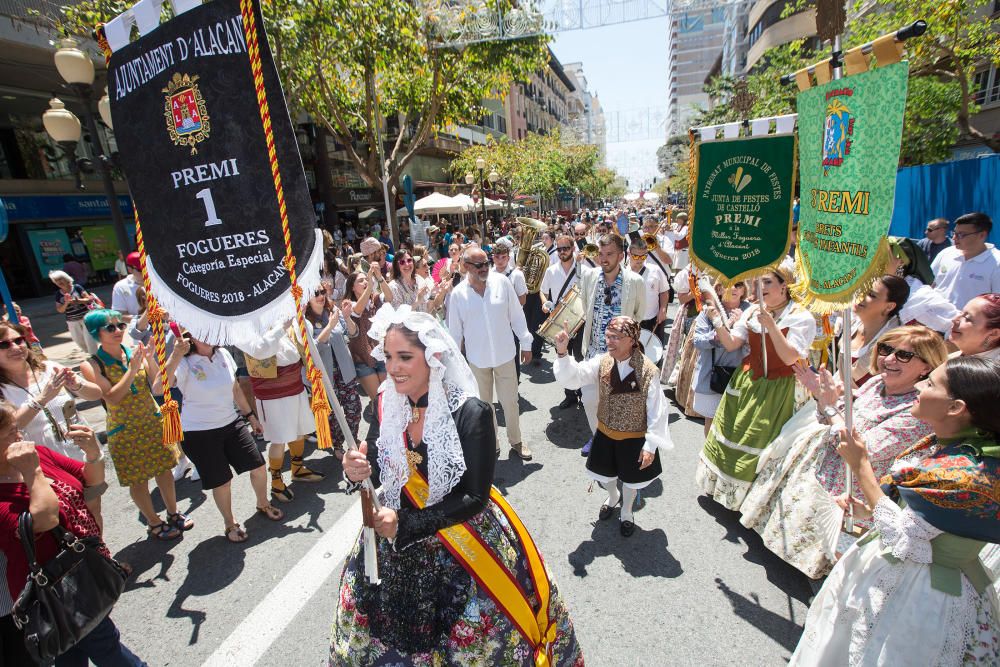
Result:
[{"x": 55, "y": 207}]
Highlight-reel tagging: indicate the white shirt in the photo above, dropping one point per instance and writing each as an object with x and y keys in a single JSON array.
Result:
[
  {"x": 553, "y": 280},
  {"x": 960, "y": 280},
  {"x": 123, "y": 297},
  {"x": 656, "y": 284},
  {"x": 515, "y": 276},
  {"x": 39, "y": 430},
  {"x": 575, "y": 375},
  {"x": 484, "y": 323},
  {"x": 800, "y": 323},
  {"x": 274, "y": 343},
  {"x": 928, "y": 307},
  {"x": 207, "y": 385}
]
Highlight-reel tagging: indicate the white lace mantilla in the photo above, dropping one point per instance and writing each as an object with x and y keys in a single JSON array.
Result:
[{"x": 451, "y": 384}]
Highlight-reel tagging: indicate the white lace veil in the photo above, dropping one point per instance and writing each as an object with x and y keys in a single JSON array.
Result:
[{"x": 451, "y": 384}]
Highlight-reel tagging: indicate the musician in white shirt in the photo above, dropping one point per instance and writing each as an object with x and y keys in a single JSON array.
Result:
[
  {"x": 657, "y": 287},
  {"x": 557, "y": 281}
]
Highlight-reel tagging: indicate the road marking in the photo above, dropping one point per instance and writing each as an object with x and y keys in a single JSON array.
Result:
[{"x": 261, "y": 628}]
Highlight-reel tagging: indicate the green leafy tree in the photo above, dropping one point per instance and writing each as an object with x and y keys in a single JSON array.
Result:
[
  {"x": 671, "y": 154},
  {"x": 370, "y": 71}
]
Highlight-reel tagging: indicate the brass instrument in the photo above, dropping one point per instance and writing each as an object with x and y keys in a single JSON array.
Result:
[
  {"x": 651, "y": 243},
  {"x": 589, "y": 251},
  {"x": 531, "y": 260}
]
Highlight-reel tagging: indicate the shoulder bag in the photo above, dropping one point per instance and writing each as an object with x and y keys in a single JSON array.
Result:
[
  {"x": 67, "y": 597},
  {"x": 720, "y": 377}
]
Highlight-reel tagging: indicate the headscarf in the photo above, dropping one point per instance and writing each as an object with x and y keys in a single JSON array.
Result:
[
  {"x": 451, "y": 384},
  {"x": 914, "y": 259},
  {"x": 628, "y": 327}
]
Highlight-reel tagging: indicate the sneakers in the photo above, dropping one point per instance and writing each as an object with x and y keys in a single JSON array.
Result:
[{"x": 521, "y": 450}]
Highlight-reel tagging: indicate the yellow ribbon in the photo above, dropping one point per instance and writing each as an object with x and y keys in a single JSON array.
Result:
[{"x": 464, "y": 543}]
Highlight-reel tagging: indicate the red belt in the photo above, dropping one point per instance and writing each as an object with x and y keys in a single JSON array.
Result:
[{"x": 288, "y": 383}]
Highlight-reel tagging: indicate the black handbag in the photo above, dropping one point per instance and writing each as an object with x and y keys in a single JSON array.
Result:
[
  {"x": 67, "y": 597},
  {"x": 719, "y": 379}
]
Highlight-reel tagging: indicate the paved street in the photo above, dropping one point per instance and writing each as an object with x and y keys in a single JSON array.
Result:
[{"x": 691, "y": 587}]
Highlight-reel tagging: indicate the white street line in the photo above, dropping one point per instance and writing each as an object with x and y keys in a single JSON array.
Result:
[{"x": 262, "y": 626}]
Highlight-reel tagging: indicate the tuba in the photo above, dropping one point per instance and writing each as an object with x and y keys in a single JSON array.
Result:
[{"x": 531, "y": 260}]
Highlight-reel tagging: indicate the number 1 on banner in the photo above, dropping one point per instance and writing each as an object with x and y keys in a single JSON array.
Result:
[{"x": 205, "y": 195}]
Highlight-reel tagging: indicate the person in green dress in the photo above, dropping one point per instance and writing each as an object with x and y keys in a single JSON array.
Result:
[
  {"x": 760, "y": 397},
  {"x": 135, "y": 432}
]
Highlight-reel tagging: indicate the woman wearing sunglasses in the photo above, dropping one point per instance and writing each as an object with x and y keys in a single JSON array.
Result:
[
  {"x": 134, "y": 425},
  {"x": 913, "y": 590},
  {"x": 793, "y": 503}
]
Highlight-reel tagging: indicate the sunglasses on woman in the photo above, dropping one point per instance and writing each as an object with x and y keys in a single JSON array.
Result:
[
  {"x": 405, "y": 262},
  {"x": 904, "y": 356},
  {"x": 112, "y": 327},
  {"x": 7, "y": 344}
]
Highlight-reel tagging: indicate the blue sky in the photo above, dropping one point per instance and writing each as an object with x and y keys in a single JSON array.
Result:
[{"x": 625, "y": 64}]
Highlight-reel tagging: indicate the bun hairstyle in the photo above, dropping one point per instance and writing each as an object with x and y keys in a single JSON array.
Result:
[
  {"x": 976, "y": 382},
  {"x": 897, "y": 291}
]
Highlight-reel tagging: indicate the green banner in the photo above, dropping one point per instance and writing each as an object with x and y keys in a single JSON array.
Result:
[
  {"x": 849, "y": 136},
  {"x": 742, "y": 206},
  {"x": 102, "y": 246}
]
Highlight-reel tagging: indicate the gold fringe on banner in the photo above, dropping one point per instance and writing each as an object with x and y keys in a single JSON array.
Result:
[
  {"x": 828, "y": 304},
  {"x": 855, "y": 62}
]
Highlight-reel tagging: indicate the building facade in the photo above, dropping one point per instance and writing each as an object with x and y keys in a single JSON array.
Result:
[
  {"x": 549, "y": 101},
  {"x": 694, "y": 43},
  {"x": 589, "y": 127}
]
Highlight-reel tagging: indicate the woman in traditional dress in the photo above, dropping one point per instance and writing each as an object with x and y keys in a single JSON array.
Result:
[
  {"x": 792, "y": 503},
  {"x": 760, "y": 397},
  {"x": 432, "y": 453},
  {"x": 913, "y": 590},
  {"x": 704, "y": 400},
  {"x": 134, "y": 426},
  {"x": 876, "y": 314},
  {"x": 975, "y": 331}
]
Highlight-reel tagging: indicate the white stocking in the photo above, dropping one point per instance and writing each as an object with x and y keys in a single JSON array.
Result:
[
  {"x": 612, "y": 489},
  {"x": 628, "y": 498}
]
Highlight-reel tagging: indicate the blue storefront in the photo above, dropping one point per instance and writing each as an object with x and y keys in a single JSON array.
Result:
[{"x": 44, "y": 228}]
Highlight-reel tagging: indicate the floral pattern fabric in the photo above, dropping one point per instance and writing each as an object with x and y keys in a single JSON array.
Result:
[
  {"x": 135, "y": 431},
  {"x": 429, "y": 611},
  {"x": 791, "y": 503}
]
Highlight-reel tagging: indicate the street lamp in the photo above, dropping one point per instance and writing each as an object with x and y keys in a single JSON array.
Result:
[
  {"x": 77, "y": 69},
  {"x": 470, "y": 179}
]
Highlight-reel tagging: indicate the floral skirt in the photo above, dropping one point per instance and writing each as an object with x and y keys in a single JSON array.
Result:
[
  {"x": 350, "y": 401},
  {"x": 429, "y": 611}
]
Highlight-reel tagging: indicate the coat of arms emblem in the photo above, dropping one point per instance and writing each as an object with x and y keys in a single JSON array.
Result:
[
  {"x": 185, "y": 113},
  {"x": 837, "y": 133}
]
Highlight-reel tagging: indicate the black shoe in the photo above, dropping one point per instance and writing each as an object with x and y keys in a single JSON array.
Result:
[
  {"x": 605, "y": 512},
  {"x": 568, "y": 402},
  {"x": 627, "y": 528}
]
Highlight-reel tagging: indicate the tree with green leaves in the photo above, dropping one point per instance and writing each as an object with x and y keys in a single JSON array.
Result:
[{"x": 371, "y": 75}]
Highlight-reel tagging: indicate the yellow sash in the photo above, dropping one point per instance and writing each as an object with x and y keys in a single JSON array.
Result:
[{"x": 471, "y": 552}]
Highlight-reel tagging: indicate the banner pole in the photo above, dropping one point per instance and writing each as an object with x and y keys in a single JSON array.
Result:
[
  {"x": 846, "y": 366},
  {"x": 763, "y": 333}
]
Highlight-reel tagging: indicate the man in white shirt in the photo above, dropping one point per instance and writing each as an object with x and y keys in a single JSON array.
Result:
[
  {"x": 664, "y": 254},
  {"x": 506, "y": 268},
  {"x": 557, "y": 281},
  {"x": 657, "y": 287},
  {"x": 548, "y": 244},
  {"x": 123, "y": 295},
  {"x": 483, "y": 311},
  {"x": 970, "y": 267}
]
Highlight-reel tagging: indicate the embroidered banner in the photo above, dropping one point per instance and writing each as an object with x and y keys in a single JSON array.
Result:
[
  {"x": 849, "y": 138},
  {"x": 742, "y": 205},
  {"x": 192, "y": 144}
]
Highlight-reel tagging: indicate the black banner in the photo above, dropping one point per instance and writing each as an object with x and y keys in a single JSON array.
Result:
[{"x": 192, "y": 146}]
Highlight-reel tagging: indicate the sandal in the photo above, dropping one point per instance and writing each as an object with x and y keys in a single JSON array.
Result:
[
  {"x": 283, "y": 495},
  {"x": 163, "y": 531},
  {"x": 180, "y": 521},
  {"x": 235, "y": 534},
  {"x": 272, "y": 513},
  {"x": 300, "y": 473}
]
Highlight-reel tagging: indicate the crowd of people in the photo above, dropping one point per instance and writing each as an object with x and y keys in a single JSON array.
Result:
[{"x": 418, "y": 342}]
